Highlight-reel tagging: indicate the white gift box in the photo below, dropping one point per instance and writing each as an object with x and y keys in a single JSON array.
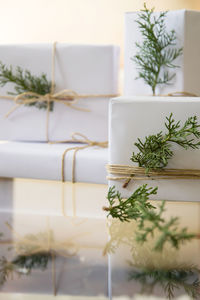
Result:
[
  {"x": 136, "y": 117},
  {"x": 186, "y": 25},
  {"x": 44, "y": 161},
  {"x": 85, "y": 69},
  {"x": 31, "y": 179}
]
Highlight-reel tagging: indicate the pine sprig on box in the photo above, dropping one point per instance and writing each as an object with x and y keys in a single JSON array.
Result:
[
  {"x": 26, "y": 82},
  {"x": 155, "y": 151},
  {"x": 157, "y": 53}
]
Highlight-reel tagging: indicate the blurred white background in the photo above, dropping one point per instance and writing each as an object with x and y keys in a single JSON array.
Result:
[{"x": 73, "y": 21}]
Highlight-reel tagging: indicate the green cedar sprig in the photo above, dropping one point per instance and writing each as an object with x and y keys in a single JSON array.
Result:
[
  {"x": 157, "y": 52},
  {"x": 170, "y": 280},
  {"x": 155, "y": 151},
  {"x": 150, "y": 219},
  {"x": 130, "y": 208},
  {"x": 26, "y": 82}
]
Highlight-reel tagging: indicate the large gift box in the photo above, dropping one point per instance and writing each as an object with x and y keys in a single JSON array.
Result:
[
  {"x": 54, "y": 255},
  {"x": 83, "y": 70},
  {"x": 31, "y": 179},
  {"x": 138, "y": 117},
  {"x": 186, "y": 25}
]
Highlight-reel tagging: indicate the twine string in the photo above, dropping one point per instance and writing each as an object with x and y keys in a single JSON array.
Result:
[
  {"x": 180, "y": 94},
  {"x": 84, "y": 143},
  {"x": 131, "y": 173},
  {"x": 81, "y": 139}
]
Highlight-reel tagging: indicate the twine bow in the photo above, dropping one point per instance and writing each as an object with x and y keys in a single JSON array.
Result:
[{"x": 67, "y": 97}]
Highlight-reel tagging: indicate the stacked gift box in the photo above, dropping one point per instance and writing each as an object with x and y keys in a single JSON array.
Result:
[
  {"x": 53, "y": 177},
  {"x": 133, "y": 118},
  {"x": 54, "y": 151}
]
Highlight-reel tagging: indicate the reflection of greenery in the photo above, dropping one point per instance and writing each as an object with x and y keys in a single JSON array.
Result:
[
  {"x": 30, "y": 257},
  {"x": 150, "y": 219},
  {"x": 121, "y": 233},
  {"x": 22, "y": 265},
  {"x": 185, "y": 277},
  {"x": 33, "y": 261},
  {"x": 122, "y": 236}
]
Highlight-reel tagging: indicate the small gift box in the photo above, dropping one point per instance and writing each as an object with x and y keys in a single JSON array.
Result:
[
  {"x": 53, "y": 255},
  {"x": 38, "y": 168},
  {"x": 80, "y": 79},
  {"x": 138, "y": 117},
  {"x": 185, "y": 24}
]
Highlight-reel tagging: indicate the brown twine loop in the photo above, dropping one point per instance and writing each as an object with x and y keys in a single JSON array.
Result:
[
  {"x": 180, "y": 94},
  {"x": 82, "y": 139},
  {"x": 129, "y": 173}
]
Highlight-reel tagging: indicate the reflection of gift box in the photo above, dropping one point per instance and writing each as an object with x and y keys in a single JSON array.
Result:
[
  {"x": 79, "y": 266},
  {"x": 138, "y": 117},
  {"x": 48, "y": 195},
  {"x": 88, "y": 70},
  {"x": 137, "y": 269},
  {"x": 8, "y": 296},
  {"x": 186, "y": 24}
]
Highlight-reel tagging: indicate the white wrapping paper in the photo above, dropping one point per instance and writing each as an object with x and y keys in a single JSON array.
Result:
[
  {"x": 186, "y": 25},
  {"x": 137, "y": 117},
  {"x": 43, "y": 161},
  {"x": 83, "y": 68}
]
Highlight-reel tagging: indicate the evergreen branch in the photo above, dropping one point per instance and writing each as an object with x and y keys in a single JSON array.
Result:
[
  {"x": 155, "y": 151},
  {"x": 24, "y": 81},
  {"x": 150, "y": 219},
  {"x": 130, "y": 208},
  {"x": 157, "y": 52}
]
